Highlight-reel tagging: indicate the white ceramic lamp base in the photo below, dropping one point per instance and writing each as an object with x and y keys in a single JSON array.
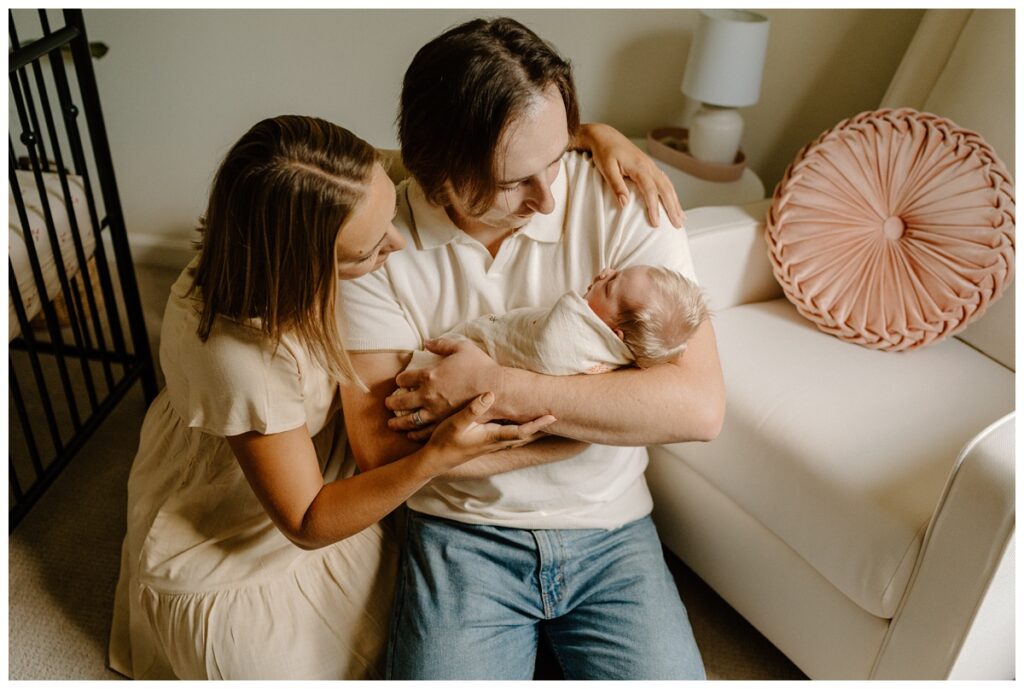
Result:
[{"x": 715, "y": 134}]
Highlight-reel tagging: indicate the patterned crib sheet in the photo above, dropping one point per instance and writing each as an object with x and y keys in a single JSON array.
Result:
[{"x": 38, "y": 235}]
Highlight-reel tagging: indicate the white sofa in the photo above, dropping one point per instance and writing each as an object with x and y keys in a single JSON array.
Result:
[{"x": 858, "y": 507}]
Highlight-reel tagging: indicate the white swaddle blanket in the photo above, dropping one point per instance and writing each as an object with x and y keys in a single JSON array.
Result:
[{"x": 565, "y": 339}]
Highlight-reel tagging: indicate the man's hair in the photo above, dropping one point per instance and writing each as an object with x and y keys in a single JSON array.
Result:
[
  {"x": 657, "y": 332},
  {"x": 267, "y": 245},
  {"x": 461, "y": 91}
]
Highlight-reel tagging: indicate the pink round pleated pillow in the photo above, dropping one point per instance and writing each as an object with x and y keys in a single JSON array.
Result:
[{"x": 894, "y": 229}]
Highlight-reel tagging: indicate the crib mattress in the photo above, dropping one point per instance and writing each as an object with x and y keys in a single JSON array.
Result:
[{"x": 37, "y": 234}]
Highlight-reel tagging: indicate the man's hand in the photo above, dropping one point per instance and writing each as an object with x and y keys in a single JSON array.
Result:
[{"x": 435, "y": 392}]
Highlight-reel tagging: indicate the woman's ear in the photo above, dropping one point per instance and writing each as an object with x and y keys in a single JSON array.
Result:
[{"x": 618, "y": 333}]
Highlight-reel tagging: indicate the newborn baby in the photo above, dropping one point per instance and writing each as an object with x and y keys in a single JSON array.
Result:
[
  {"x": 641, "y": 314},
  {"x": 652, "y": 310}
]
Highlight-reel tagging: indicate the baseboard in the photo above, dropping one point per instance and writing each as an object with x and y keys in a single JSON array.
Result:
[{"x": 160, "y": 251}]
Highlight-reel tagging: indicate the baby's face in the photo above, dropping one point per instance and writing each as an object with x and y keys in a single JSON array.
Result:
[{"x": 612, "y": 291}]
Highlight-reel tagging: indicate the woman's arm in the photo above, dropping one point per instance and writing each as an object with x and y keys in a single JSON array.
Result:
[
  {"x": 617, "y": 157},
  {"x": 544, "y": 451},
  {"x": 284, "y": 473}
]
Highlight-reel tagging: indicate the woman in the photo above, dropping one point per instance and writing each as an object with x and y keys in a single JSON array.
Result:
[{"x": 254, "y": 549}]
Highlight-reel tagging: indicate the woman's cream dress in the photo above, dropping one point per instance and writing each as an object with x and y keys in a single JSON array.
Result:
[{"x": 209, "y": 588}]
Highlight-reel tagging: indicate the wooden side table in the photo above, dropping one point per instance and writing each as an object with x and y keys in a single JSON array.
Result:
[{"x": 694, "y": 192}]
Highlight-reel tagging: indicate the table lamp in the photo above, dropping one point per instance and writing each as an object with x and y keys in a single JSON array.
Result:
[{"x": 723, "y": 72}]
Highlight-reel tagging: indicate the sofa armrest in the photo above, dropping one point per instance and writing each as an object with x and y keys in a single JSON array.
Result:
[
  {"x": 959, "y": 588},
  {"x": 391, "y": 159},
  {"x": 730, "y": 255}
]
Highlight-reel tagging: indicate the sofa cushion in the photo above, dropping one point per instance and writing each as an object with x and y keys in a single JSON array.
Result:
[
  {"x": 841, "y": 451},
  {"x": 894, "y": 229}
]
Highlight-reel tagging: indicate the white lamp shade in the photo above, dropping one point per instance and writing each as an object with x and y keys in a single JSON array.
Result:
[{"x": 727, "y": 58}]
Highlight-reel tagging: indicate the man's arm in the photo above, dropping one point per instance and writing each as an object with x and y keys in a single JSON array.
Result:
[
  {"x": 675, "y": 402},
  {"x": 374, "y": 444},
  {"x": 680, "y": 401},
  {"x": 366, "y": 420}
]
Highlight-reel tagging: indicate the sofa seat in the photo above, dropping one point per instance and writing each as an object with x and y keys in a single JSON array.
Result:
[{"x": 846, "y": 458}]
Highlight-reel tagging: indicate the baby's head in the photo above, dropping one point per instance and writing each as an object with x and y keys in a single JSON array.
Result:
[{"x": 653, "y": 310}]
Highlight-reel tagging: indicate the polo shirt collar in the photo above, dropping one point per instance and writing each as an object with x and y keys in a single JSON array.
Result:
[{"x": 434, "y": 228}]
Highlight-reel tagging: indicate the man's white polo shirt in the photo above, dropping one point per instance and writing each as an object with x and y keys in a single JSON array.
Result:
[{"x": 444, "y": 277}]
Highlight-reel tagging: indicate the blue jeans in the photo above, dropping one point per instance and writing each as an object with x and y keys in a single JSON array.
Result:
[{"x": 472, "y": 600}]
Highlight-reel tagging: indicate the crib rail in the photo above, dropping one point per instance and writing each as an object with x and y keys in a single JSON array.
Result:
[{"x": 71, "y": 363}]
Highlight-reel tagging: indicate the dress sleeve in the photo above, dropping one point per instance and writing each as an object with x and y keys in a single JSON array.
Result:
[{"x": 239, "y": 382}]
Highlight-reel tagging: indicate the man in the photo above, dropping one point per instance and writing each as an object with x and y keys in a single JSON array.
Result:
[{"x": 554, "y": 537}]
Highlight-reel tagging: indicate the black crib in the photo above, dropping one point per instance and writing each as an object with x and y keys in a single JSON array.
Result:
[{"x": 77, "y": 339}]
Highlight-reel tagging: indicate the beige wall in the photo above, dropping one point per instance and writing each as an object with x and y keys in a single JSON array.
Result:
[{"x": 179, "y": 86}]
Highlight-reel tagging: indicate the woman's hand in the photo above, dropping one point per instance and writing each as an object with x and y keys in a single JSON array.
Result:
[
  {"x": 467, "y": 435},
  {"x": 435, "y": 392},
  {"x": 617, "y": 157}
]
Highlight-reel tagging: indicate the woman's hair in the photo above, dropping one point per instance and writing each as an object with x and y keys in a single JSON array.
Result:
[
  {"x": 460, "y": 92},
  {"x": 656, "y": 332},
  {"x": 267, "y": 245}
]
